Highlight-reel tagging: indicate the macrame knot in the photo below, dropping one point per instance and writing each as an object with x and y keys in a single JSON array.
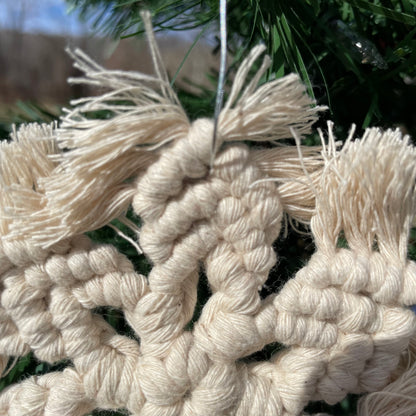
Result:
[
  {"x": 342, "y": 319},
  {"x": 198, "y": 148},
  {"x": 186, "y": 159}
]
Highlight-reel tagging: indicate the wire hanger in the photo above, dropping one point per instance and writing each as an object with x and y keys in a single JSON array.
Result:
[{"x": 221, "y": 77}]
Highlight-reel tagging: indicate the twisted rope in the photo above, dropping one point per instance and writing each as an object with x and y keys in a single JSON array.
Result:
[{"x": 343, "y": 318}]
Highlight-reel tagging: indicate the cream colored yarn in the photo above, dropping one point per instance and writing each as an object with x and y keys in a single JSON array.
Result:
[{"x": 343, "y": 317}]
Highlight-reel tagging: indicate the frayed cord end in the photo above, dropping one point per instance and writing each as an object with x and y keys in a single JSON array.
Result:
[{"x": 368, "y": 193}]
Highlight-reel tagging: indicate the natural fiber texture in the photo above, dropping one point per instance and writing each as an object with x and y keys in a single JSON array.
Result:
[{"x": 343, "y": 317}]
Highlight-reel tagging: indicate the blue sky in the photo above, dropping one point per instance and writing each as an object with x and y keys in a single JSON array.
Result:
[
  {"x": 40, "y": 16},
  {"x": 51, "y": 17}
]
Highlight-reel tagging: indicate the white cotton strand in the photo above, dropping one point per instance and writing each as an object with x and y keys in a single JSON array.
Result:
[{"x": 343, "y": 318}]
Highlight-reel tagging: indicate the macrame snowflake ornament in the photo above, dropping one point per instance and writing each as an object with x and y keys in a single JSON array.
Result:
[{"x": 343, "y": 318}]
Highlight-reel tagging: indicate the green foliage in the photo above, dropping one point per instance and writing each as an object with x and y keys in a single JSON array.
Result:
[{"x": 356, "y": 56}]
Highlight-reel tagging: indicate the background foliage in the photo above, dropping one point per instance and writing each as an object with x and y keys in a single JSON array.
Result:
[{"x": 357, "y": 57}]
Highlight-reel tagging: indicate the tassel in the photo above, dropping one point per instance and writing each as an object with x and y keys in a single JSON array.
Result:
[
  {"x": 100, "y": 159},
  {"x": 266, "y": 112},
  {"x": 371, "y": 186},
  {"x": 23, "y": 162},
  {"x": 93, "y": 182},
  {"x": 296, "y": 181}
]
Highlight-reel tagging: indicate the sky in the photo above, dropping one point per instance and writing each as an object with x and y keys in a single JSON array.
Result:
[
  {"x": 40, "y": 16},
  {"x": 52, "y": 17}
]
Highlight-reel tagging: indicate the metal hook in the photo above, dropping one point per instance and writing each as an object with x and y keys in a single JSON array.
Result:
[{"x": 221, "y": 78}]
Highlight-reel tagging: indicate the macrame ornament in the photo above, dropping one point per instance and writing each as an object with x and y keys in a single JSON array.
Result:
[{"x": 343, "y": 318}]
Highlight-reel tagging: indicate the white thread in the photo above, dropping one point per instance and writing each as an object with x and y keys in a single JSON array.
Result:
[{"x": 343, "y": 317}]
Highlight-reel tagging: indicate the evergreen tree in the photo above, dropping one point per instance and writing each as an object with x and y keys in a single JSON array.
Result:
[{"x": 356, "y": 56}]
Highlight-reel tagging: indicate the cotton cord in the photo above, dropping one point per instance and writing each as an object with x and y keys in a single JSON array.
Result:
[{"x": 343, "y": 318}]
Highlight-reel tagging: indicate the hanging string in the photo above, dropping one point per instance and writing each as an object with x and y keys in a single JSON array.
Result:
[{"x": 221, "y": 77}]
